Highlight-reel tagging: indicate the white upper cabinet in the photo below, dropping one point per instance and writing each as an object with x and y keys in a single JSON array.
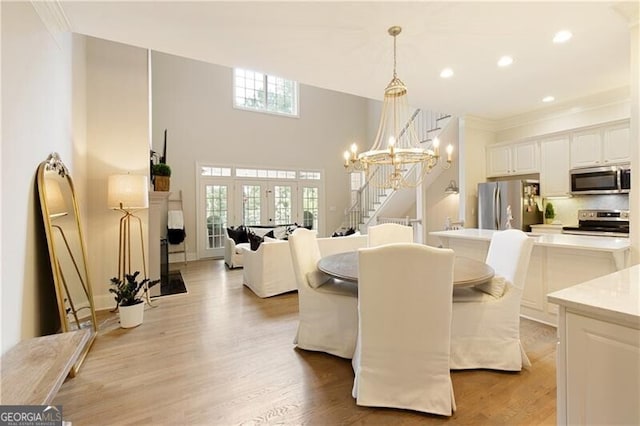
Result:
[
  {"x": 513, "y": 159},
  {"x": 554, "y": 166},
  {"x": 616, "y": 140},
  {"x": 601, "y": 146},
  {"x": 498, "y": 160}
]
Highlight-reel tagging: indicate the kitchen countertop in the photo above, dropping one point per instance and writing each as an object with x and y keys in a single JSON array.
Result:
[
  {"x": 614, "y": 297},
  {"x": 578, "y": 242}
]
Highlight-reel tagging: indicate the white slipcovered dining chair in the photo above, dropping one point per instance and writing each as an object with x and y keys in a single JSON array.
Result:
[
  {"x": 328, "y": 307},
  {"x": 485, "y": 330},
  {"x": 404, "y": 308},
  {"x": 389, "y": 233}
]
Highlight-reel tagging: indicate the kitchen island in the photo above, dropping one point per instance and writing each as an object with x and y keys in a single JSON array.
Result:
[
  {"x": 557, "y": 261},
  {"x": 598, "y": 367}
]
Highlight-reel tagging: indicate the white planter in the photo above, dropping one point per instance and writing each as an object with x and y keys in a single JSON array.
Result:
[{"x": 131, "y": 316}]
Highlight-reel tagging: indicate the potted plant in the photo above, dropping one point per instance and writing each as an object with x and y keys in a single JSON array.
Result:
[
  {"x": 549, "y": 213},
  {"x": 129, "y": 296},
  {"x": 161, "y": 176}
]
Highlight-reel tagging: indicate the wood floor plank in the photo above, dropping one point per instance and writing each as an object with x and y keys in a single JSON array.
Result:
[{"x": 219, "y": 355}]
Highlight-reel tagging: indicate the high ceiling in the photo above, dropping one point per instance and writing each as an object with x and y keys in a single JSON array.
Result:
[{"x": 344, "y": 46}]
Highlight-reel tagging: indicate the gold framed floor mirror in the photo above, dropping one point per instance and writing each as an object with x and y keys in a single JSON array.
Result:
[{"x": 67, "y": 251}]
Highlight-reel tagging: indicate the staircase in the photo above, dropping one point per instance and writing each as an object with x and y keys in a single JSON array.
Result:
[{"x": 371, "y": 201}]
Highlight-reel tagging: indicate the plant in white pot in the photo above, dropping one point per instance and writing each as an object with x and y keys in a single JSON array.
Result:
[{"x": 129, "y": 297}]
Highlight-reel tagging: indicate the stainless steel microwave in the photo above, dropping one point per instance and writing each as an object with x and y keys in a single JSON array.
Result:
[{"x": 601, "y": 180}]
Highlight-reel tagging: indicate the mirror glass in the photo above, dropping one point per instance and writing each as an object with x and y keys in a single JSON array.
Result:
[{"x": 67, "y": 251}]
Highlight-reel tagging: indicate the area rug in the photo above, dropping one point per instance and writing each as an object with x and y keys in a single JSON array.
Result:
[{"x": 174, "y": 285}]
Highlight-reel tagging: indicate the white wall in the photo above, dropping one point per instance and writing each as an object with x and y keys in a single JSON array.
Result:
[
  {"x": 118, "y": 142},
  {"x": 193, "y": 100},
  {"x": 476, "y": 134},
  {"x": 37, "y": 118},
  {"x": 439, "y": 206}
]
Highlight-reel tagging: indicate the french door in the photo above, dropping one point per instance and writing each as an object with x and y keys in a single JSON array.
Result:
[
  {"x": 215, "y": 215},
  {"x": 239, "y": 196},
  {"x": 266, "y": 203}
]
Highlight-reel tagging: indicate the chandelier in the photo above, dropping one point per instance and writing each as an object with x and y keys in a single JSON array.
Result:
[{"x": 388, "y": 163}]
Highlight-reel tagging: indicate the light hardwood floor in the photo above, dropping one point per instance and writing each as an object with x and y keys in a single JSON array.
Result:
[{"x": 219, "y": 355}]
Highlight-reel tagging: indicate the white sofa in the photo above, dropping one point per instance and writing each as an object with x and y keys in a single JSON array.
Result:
[
  {"x": 268, "y": 271},
  {"x": 234, "y": 253},
  {"x": 333, "y": 245}
]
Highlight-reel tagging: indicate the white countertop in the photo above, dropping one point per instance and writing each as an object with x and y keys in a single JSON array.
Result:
[
  {"x": 614, "y": 297},
  {"x": 579, "y": 242}
]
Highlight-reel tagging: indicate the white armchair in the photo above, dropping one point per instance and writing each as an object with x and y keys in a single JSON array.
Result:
[
  {"x": 404, "y": 306},
  {"x": 233, "y": 253},
  {"x": 388, "y": 233},
  {"x": 268, "y": 271},
  {"x": 328, "y": 314},
  {"x": 485, "y": 330}
]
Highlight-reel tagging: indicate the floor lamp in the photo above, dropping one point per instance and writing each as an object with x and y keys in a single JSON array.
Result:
[{"x": 127, "y": 194}]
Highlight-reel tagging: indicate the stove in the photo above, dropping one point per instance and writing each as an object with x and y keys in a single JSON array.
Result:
[{"x": 609, "y": 223}]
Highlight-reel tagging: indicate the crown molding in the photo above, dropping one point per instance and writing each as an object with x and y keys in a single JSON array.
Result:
[
  {"x": 617, "y": 96},
  {"x": 52, "y": 15},
  {"x": 480, "y": 123},
  {"x": 630, "y": 11}
]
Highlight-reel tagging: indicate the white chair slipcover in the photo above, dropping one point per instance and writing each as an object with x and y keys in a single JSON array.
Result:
[
  {"x": 404, "y": 306},
  {"x": 389, "y": 233},
  {"x": 485, "y": 331},
  {"x": 328, "y": 314}
]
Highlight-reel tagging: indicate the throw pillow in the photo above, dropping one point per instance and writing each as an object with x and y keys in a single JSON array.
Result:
[
  {"x": 495, "y": 287},
  {"x": 254, "y": 241},
  {"x": 316, "y": 278},
  {"x": 280, "y": 232},
  {"x": 238, "y": 235}
]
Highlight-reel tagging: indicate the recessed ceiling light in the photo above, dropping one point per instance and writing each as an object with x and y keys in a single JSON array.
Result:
[
  {"x": 562, "y": 36},
  {"x": 505, "y": 61},
  {"x": 548, "y": 99},
  {"x": 446, "y": 73}
]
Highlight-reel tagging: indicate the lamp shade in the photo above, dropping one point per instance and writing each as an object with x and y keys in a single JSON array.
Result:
[{"x": 128, "y": 192}]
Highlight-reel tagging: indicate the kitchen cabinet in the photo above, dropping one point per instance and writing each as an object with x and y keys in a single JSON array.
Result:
[
  {"x": 601, "y": 146},
  {"x": 513, "y": 159},
  {"x": 554, "y": 166},
  {"x": 598, "y": 357}
]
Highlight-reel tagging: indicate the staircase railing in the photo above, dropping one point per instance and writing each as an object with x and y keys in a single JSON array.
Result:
[{"x": 368, "y": 197}]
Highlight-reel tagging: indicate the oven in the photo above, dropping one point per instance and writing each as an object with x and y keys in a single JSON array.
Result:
[
  {"x": 608, "y": 223},
  {"x": 601, "y": 180}
]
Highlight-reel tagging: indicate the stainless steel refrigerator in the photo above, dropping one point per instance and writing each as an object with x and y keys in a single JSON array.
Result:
[{"x": 513, "y": 201}]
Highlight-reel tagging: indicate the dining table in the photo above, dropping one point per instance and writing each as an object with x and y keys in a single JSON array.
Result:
[{"x": 467, "y": 272}]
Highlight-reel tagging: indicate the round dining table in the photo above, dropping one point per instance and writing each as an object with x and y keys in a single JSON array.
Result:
[{"x": 466, "y": 271}]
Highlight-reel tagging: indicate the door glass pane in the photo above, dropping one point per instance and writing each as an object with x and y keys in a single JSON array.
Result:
[
  {"x": 310, "y": 207},
  {"x": 216, "y": 214},
  {"x": 282, "y": 201},
  {"x": 251, "y": 205}
]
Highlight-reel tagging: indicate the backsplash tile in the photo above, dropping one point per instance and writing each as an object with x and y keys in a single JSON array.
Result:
[{"x": 566, "y": 209}]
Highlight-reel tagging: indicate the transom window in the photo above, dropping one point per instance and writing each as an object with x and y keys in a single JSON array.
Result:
[
  {"x": 266, "y": 173},
  {"x": 265, "y": 93},
  {"x": 215, "y": 171}
]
